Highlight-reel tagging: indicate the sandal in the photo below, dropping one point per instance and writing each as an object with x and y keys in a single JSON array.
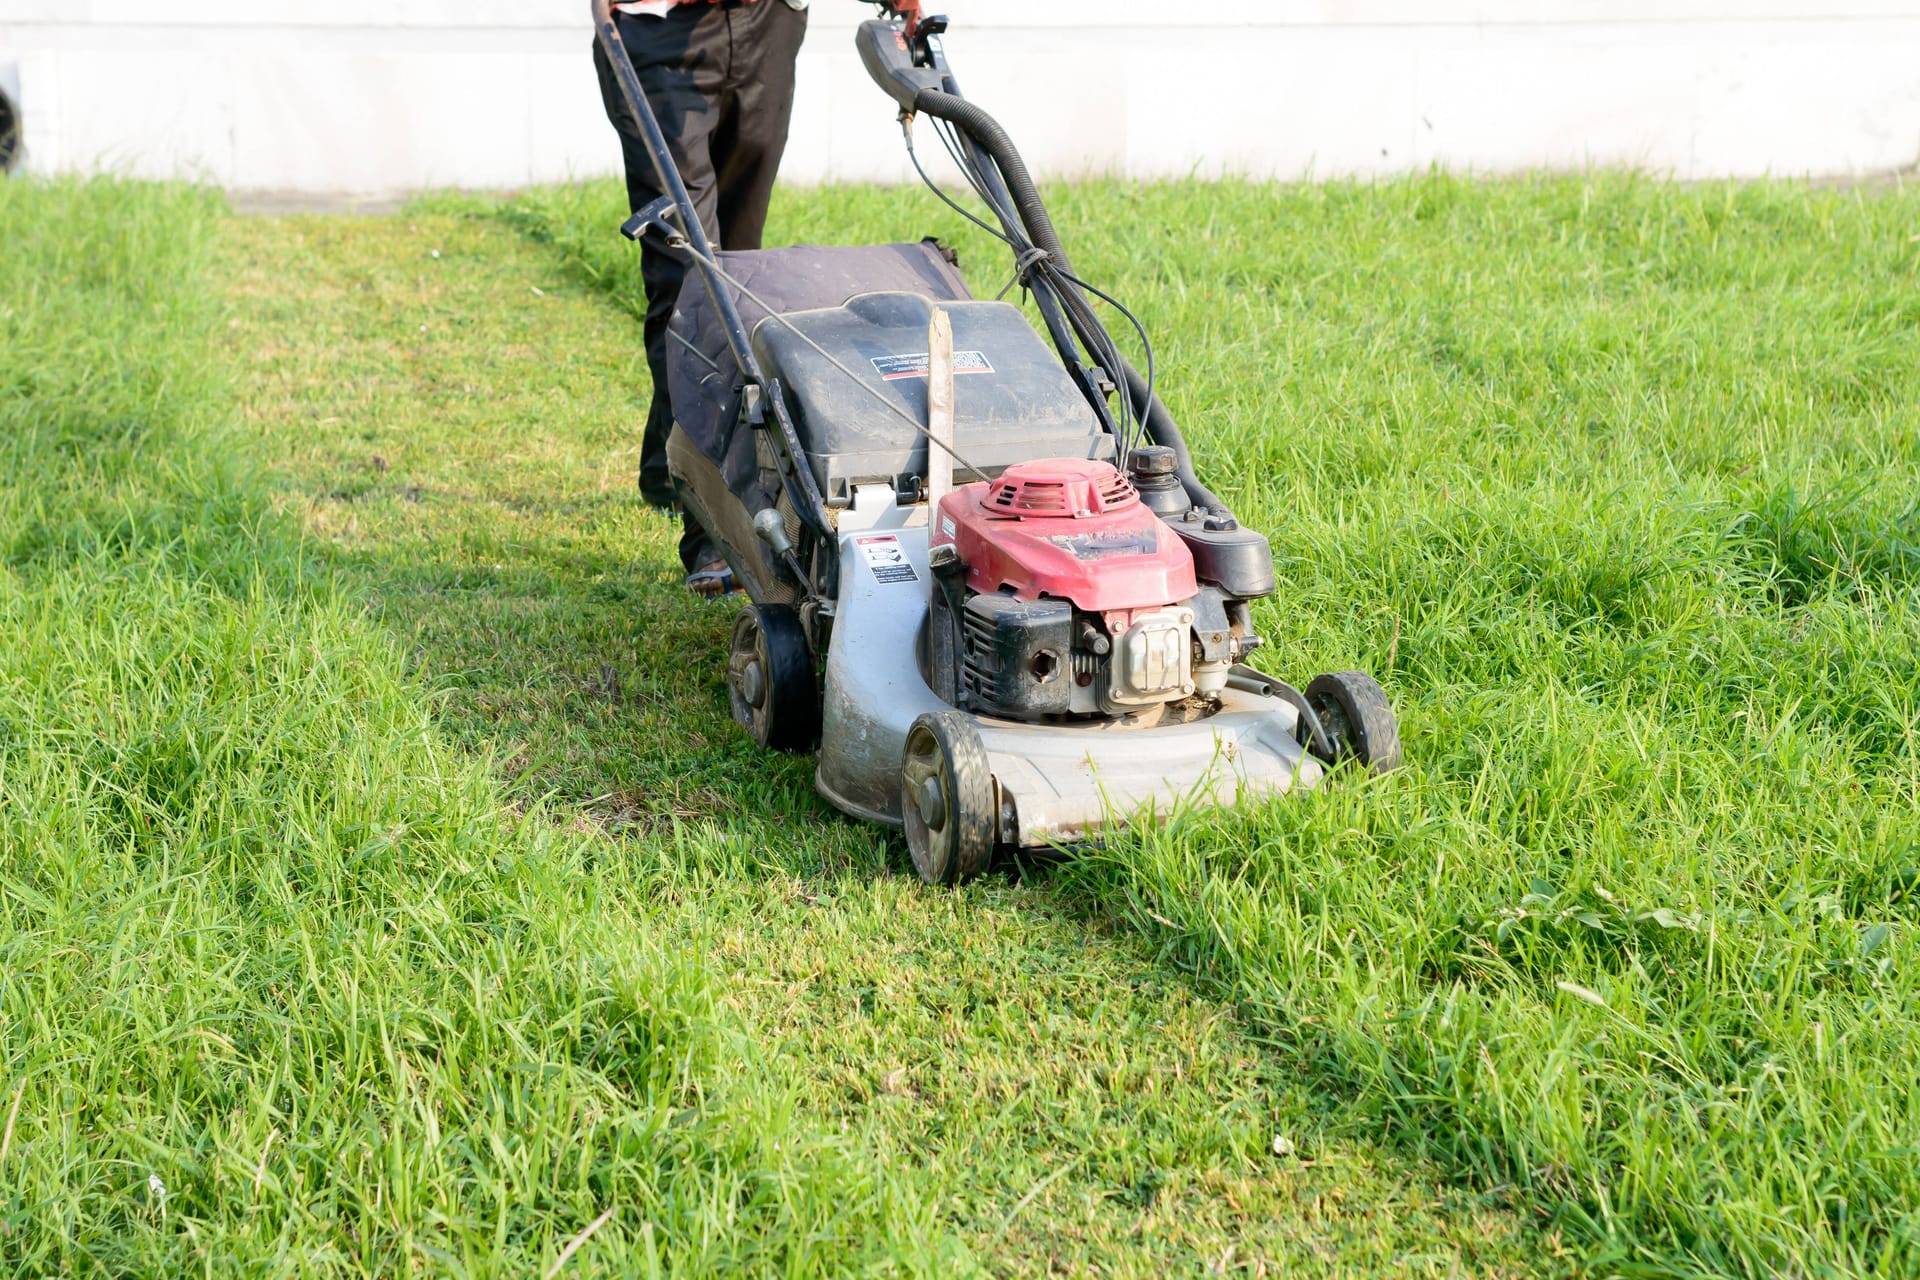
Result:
[{"x": 713, "y": 580}]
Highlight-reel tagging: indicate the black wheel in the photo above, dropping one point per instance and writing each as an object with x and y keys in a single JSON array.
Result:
[
  {"x": 770, "y": 679},
  {"x": 947, "y": 799},
  {"x": 1354, "y": 711}
]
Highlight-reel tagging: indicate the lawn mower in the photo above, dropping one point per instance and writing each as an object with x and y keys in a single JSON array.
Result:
[{"x": 984, "y": 579}]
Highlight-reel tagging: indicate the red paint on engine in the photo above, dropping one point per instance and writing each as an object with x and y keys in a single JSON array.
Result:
[{"x": 1067, "y": 529}]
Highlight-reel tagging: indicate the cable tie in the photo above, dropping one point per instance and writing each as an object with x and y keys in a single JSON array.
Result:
[{"x": 1024, "y": 265}]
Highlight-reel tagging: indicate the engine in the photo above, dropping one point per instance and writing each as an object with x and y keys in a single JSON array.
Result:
[{"x": 1064, "y": 591}]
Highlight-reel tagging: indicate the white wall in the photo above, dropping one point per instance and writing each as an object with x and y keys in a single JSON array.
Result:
[{"x": 387, "y": 96}]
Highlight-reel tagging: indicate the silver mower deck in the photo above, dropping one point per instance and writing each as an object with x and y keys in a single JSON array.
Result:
[{"x": 1057, "y": 784}]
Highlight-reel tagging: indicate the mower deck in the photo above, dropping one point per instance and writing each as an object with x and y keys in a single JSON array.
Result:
[{"x": 1057, "y": 783}]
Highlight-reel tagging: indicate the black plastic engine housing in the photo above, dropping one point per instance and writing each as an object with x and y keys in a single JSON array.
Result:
[
  {"x": 1238, "y": 560},
  {"x": 1016, "y": 656}
]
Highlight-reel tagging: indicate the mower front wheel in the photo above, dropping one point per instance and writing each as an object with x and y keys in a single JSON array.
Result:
[
  {"x": 1353, "y": 709},
  {"x": 947, "y": 800},
  {"x": 770, "y": 679}
]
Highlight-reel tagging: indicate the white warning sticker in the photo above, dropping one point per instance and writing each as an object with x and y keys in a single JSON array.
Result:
[
  {"x": 886, "y": 557},
  {"x": 914, "y": 365}
]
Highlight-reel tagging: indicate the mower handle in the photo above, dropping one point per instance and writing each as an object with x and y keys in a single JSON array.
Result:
[
  {"x": 675, "y": 189},
  {"x": 908, "y": 11},
  {"x": 692, "y": 239}
]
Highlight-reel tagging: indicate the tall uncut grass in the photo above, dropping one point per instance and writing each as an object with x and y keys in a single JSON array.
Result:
[
  {"x": 1616, "y": 484},
  {"x": 284, "y": 989}
]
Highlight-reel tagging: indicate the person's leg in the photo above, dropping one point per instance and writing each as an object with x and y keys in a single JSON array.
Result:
[
  {"x": 680, "y": 59},
  {"x": 751, "y": 136}
]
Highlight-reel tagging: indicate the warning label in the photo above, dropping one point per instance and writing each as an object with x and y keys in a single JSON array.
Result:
[
  {"x": 894, "y": 368},
  {"x": 884, "y": 555}
]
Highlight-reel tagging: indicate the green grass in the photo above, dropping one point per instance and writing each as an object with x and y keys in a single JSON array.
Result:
[
  {"x": 1618, "y": 486},
  {"x": 379, "y": 871},
  {"x": 284, "y": 987},
  {"x": 1614, "y": 483},
  {"x": 454, "y": 417},
  {"x": 380, "y": 893}
]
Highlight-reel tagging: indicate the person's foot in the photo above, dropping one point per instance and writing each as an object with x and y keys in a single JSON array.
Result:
[{"x": 712, "y": 580}]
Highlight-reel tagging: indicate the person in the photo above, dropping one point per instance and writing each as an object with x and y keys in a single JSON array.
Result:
[{"x": 719, "y": 75}]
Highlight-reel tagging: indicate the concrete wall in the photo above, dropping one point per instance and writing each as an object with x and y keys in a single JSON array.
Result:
[{"x": 386, "y": 96}]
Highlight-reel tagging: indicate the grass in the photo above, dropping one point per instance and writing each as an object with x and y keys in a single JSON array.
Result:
[
  {"x": 284, "y": 987},
  {"x": 380, "y": 893},
  {"x": 380, "y": 873},
  {"x": 454, "y": 417},
  {"x": 1614, "y": 483}
]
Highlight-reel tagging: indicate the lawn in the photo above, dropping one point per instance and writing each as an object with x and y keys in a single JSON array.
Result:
[{"x": 383, "y": 888}]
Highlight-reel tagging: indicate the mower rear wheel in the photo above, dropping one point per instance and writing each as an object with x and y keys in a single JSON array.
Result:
[
  {"x": 1354, "y": 711},
  {"x": 770, "y": 678},
  {"x": 947, "y": 802}
]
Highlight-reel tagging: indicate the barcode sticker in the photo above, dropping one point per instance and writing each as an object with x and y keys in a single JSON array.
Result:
[{"x": 893, "y": 368}]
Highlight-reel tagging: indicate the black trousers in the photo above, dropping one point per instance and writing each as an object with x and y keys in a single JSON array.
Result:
[{"x": 719, "y": 77}]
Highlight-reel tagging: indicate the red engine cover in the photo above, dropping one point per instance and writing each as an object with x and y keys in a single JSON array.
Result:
[{"x": 1066, "y": 529}]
